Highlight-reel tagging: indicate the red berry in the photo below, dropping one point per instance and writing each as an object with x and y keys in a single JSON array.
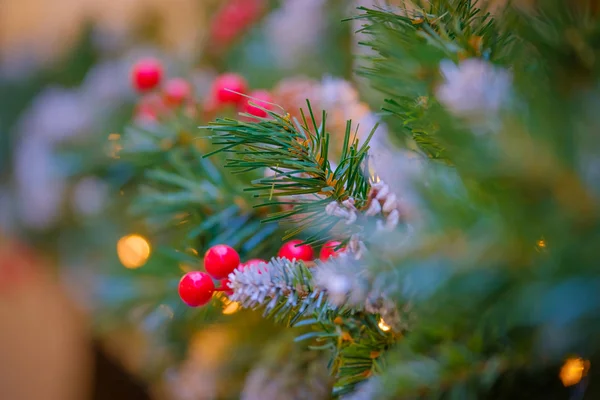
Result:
[
  {"x": 235, "y": 17},
  {"x": 196, "y": 288},
  {"x": 328, "y": 250},
  {"x": 291, "y": 251},
  {"x": 146, "y": 74},
  {"x": 221, "y": 260},
  {"x": 228, "y": 89},
  {"x": 177, "y": 90},
  {"x": 225, "y": 285},
  {"x": 260, "y": 99},
  {"x": 225, "y": 281},
  {"x": 254, "y": 261}
]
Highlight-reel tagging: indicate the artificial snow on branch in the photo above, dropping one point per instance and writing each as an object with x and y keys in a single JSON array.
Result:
[
  {"x": 289, "y": 289},
  {"x": 475, "y": 90},
  {"x": 416, "y": 41},
  {"x": 281, "y": 286},
  {"x": 348, "y": 282},
  {"x": 297, "y": 151},
  {"x": 381, "y": 203}
]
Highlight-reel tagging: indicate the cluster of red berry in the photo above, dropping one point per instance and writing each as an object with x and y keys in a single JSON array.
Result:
[
  {"x": 233, "y": 19},
  {"x": 196, "y": 288},
  {"x": 146, "y": 76},
  {"x": 227, "y": 89},
  {"x": 232, "y": 89}
]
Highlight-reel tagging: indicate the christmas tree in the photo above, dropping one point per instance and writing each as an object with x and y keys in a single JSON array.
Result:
[
  {"x": 436, "y": 241},
  {"x": 455, "y": 239}
]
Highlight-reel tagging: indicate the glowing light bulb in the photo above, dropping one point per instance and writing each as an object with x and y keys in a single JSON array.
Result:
[
  {"x": 383, "y": 326},
  {"x": 231, "y": 308},
  {"x": 541, "y": 243},
  {"x": 373, "y": 176},
  {"x": 573, "y": 370},
  {"x": 133, "y": 251}
]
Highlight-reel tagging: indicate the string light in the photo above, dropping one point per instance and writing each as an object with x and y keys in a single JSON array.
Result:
[
  {"x": 370, "y": 170},
  {"x": 133, "y": 251},
  {"x": 231, "y": 307},
  {"x": 383, "y": 326},
  {"x": 541, "y": 244},
  {"x": 573, "y": 370}
]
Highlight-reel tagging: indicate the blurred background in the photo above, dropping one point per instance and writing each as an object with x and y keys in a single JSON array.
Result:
[
  {"x": 97, "y": 182},
  {"x": 86, "y": 309}
]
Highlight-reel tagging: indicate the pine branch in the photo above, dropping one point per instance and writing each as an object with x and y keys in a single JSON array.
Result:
[
  {"x": 298, "y": 153},
  {"x": 283, "y": 288},
  {"x": 410, "y": 44},
  {"x": 287, "y": 290},
  {"x": 340, "y": 304},
  {"x": 190, "y": 201}
]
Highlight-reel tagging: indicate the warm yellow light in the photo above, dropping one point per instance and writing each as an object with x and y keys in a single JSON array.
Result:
[
  {"x": 573, "y": 370},
  {"x": 373, "y": 176},
  {"x": 541, "y": 243},
  {"x": 231, "y": 308},
  {"x": 383, "y": 326},
  {"x": 114, "y": 150},
  {"x": 133, "y": 251}
]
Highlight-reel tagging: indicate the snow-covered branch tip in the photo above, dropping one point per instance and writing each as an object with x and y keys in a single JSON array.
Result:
[
  {"x": 382, "y": 204},
  {"x": 280, "y": 282},
  {"x": 289, "y": 289},
  {"x": 348, "y": 283}
]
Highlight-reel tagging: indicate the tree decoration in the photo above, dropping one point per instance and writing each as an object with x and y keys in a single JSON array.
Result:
[
  {"x": 488, "y": 87},
  {"x": 455, "y": 297},
  {"x": 225, "y": 286},
  {"x": 330, "y": 249},
  {"x": 229, "y": 89},
  {"x": 382, "y": 203},
  {"x": 233, "y": 19},
  {"x": 346, "y": 282},
  {"x": 298, "y": 153},
  {"x": 573, "y": 370},
  {"x": 146, "y": 74},
  {"x": 267, "y": 285},
  {"x": 133, "y": 251},
  {"x": 295, "y": 250},
  {"x": 221, "y": 260},
  {"x": 196, "y": 288},
  {"x": 256, "y": 102},
  {"x": 254, "y": 261}
]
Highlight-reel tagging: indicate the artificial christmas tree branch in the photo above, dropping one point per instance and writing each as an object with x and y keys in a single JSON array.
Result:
[
  {"x": 350, "y": 326},
  {"x": 298, "y": 153},
  {"x": 499, "y": 269},
  {"x": 415, "y": 40},
  {"x": 185, "y": 197}
]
